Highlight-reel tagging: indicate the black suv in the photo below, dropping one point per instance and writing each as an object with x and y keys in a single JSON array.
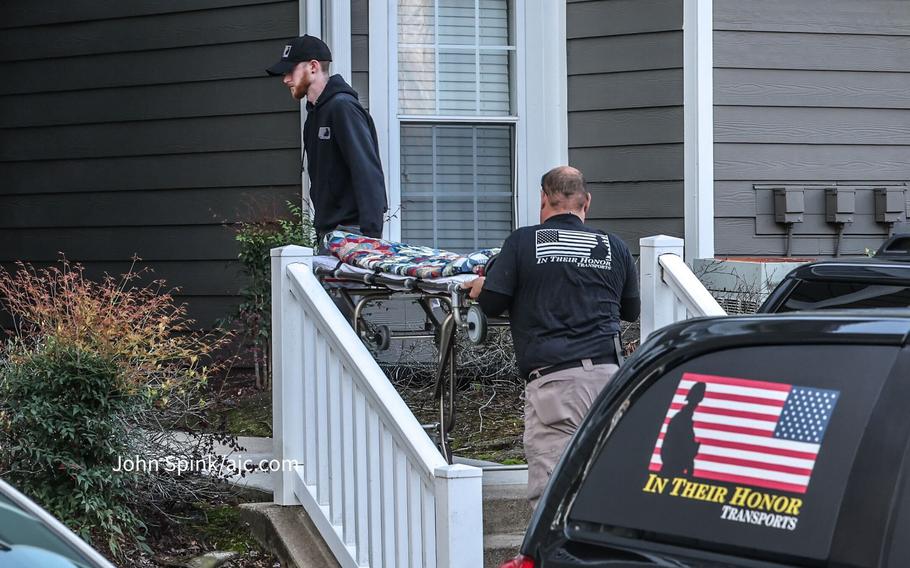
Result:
[
  {"x": 759, "y": 441},
  {"x": 880, "y": 281}
]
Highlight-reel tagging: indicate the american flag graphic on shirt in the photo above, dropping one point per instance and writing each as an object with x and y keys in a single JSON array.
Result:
[
  {"x": 754, "y": 433},
  {"x": 560, "y": 242}
]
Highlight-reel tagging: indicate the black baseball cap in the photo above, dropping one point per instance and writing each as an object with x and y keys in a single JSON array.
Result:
[{"x": 303, "y": 48}]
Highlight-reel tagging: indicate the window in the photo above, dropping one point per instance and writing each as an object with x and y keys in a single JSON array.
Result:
[
  {"x": 456, "y": 118},
  {"x": 822, "y": 295},
  {"x": 747, "y": 451}
]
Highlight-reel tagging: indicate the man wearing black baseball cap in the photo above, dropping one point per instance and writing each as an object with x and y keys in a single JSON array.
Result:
[{"x": 347, "y": 188}]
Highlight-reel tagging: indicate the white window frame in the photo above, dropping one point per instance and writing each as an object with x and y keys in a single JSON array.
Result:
[
  {"x": 329, "y": 20},
  {"x": 541, "y": 131},
  {"x": 698, "y": 136}
]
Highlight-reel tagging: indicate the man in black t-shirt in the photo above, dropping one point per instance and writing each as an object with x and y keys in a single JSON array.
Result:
[{"x": 566, "y": 286}]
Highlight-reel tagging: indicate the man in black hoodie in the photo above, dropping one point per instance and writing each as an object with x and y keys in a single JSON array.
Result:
[{"x": 347, "y": 188}]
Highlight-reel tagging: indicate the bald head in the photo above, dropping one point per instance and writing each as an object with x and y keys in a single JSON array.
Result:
[{"x": 564, "y": 187}]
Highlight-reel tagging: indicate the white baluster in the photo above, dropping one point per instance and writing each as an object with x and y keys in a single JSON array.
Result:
[
  {"x": 335, "y": 445},
  {"x": 348, "y": 463},
  {"x": 361, "y": 478}
]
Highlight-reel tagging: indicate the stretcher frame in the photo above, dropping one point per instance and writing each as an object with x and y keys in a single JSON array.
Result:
[{"x": 357, "y": 287}]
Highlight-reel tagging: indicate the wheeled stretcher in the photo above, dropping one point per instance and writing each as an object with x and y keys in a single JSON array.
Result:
[{"x": 442, "y": 299}]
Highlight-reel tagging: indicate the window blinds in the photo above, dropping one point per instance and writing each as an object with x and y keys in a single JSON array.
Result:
[
  {"x": 454, "y": 57},
  {"x": 456, "y": 185}
]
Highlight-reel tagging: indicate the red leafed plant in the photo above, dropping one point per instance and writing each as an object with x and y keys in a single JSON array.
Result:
[{"x": 139, "y": 327}]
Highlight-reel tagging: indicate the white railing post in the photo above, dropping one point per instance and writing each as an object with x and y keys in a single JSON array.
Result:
[
  {"x": 287, "y": 387},
  {"x": 658, "y": 303},
  {"x": 459, "y": 516}
]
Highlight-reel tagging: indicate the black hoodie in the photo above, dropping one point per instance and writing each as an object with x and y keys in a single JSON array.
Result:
[{"x": 346, "y": 183}]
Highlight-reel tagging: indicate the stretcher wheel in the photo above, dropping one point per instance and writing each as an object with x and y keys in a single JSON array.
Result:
[
  {"x": 383, "y": 337},
  {"x": 477, "y": 325}
]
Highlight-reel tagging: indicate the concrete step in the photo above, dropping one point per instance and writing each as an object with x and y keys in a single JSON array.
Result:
[
  {"x": 497, "y": 548},
  {"x": 505, "y": 509},
  {"x": 289, "y": 534},
  {"x": 506, "y": 513}
]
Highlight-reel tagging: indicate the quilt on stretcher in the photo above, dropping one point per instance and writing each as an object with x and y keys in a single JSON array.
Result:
[{"x": 403, "y": 259}]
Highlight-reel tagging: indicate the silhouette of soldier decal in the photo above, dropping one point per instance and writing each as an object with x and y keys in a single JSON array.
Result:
[
  {"x": 680, "y": 447},
  {"x": 602, "y": 250}
]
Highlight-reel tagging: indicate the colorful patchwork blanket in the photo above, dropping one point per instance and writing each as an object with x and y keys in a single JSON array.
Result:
[{"x": 403, "y": 259}]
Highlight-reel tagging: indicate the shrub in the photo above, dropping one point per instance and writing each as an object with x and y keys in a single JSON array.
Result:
[
  {"x": 64, "y": 412},
  {"x": 254, "y": 315},
  {"x": 96, "y": 372}
]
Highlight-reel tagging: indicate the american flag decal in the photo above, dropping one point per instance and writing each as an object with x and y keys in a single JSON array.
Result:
[
  {"x": 560, "y": 242},
  {"x": 748, "y": 432}
]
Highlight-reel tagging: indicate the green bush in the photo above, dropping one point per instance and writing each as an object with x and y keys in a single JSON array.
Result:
[
  {"x": 254, "y": 315},
  {"x": 65, "y": 411}
]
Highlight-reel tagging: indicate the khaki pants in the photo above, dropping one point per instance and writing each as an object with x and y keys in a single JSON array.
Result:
[{"x": 555, "y": 404}]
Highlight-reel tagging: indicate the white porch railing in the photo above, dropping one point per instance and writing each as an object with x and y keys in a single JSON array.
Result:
[
  {"x": 369, "y": 477},
  {"x": 670, "y": 292}
]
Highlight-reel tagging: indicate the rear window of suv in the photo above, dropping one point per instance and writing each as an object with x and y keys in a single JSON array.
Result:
[
  {"x": 828, "y": 295},
  {"x": 744, "y": 450}
]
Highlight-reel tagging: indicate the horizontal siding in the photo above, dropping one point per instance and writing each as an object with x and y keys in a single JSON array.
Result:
[
  {"x": 145, "y": 208},
  {"x": 624, "y": 127},
  {"x": 794, "y": 125},
  {"x": 169, "y": 66},
  {"x": 625, "y": 53},
  {"x": 222, "y": 169},
  {"x": 876, "y": 17},
  {"x": 24, "y": 14},
  {"x": 208, "y": 311},
  {"x": 153, "y": 138},
  {"x": 801, "y": 88},
  {"x": 637, "y": 200},
  {"x": 145, "y": 102},
  {"x": 631, "y": 231},
  {"x": 629, "y": 163},
  {"x": 208, "y": 288},
  {"x": 196, "y": 278},
  {"x": 620, "y": 17},
  {"x": 154, "y": 32},
  {"x": 804, "y": 162},
  {"x": 635, "y": 89},
  {"x": 625, "y": 92},
  {"x": 813, "y": 94},
  {"x": 833, "y": 52},
  {"x": 145, "y": 129},
  {"x": 109, "y": 244}
]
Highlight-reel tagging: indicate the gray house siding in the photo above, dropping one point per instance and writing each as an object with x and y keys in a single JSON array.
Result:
[
  {"x": 144, "y": 128},
  {"x": 816, "y": 94},
  {"x": 625, "y": 96}
]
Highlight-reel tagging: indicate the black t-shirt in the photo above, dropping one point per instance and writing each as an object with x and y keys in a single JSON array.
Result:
[{"x": 566, "y": 282}]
